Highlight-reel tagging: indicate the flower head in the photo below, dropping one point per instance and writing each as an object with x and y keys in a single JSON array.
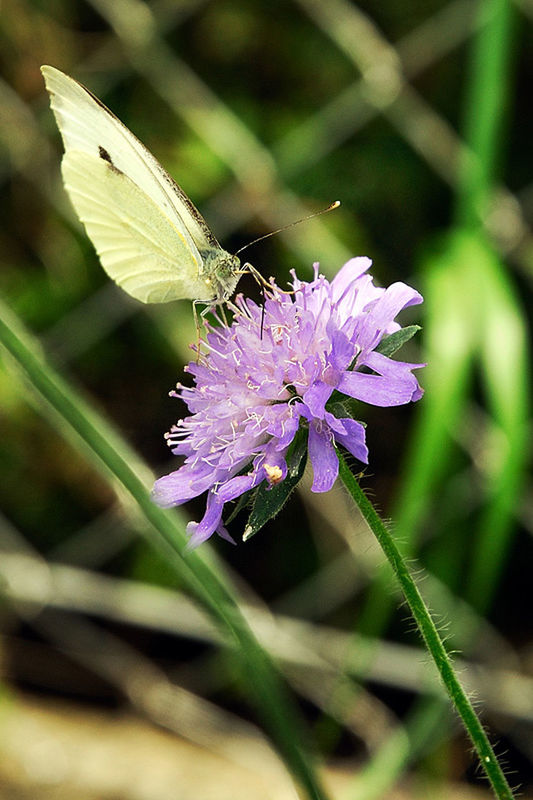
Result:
[{"x": 276, "y": 368}]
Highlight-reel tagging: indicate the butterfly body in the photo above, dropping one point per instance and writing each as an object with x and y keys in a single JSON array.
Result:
[{"x": 151, "y": 239}]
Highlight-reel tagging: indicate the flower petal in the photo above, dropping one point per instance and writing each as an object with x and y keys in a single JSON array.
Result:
[
  {"x": 342, "y": 350},
  {"x": 181, "y": 485},
  {"x": 316, "y": 398},
  {"x": 223, "y": 533},
  {"x": 237, "y": 486},
  {"x": 396, "y": 297},
  {"x": 273, "y": 466},
  {"x": 348, "y": 273},
  {"x": 353, "y": 438},
  {"x": 273, "y": 367},
  {"x": 200, "y": 531},
  {"x": 380, "y": 390},
  {"x": 386, "y": 365},
  {"x": 323, "y": 457},
  {"x": 289, "y": 427},
  {"x": 394, "y": 369}
]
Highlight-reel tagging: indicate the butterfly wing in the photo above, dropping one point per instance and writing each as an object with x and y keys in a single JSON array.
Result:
[
  {"x": 87, "y": 124},
  {"x": 137, "y": 243},
  {"x": 88, "y": 127}
]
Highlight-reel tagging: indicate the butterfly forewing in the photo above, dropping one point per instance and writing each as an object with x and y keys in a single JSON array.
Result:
[
  {"x": 121, "y": 173},
  {"x": 138, "y": 244}
]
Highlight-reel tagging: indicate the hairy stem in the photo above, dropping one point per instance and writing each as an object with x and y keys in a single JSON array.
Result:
[{"x": 430, "y": 635}]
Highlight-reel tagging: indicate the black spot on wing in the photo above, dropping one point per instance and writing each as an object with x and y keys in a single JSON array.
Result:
[
  {"x": 104, "y": 155},
  {"x": 102, "y": 152}
]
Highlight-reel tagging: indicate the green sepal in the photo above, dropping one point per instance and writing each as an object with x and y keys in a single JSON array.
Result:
[
  {"x": 269, "y": 500},
  {"x": 389, "y": 345},
  {"x": 244, "y": 500}
]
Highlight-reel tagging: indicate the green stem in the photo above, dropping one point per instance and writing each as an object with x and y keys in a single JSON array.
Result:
[{"x": 430, "y": 636}]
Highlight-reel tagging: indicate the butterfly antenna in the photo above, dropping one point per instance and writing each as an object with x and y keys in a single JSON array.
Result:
[
  {"x": 331, "y": 207},
  {"x": 262, "y": 310}
]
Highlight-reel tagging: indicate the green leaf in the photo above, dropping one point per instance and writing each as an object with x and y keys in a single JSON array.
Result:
[
  {"x": 269, "y": 500},
  {"x": 390, "y": 344}
]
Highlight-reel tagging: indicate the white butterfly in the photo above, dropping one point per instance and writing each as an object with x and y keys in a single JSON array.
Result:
[{"x": 150, "y": 238}]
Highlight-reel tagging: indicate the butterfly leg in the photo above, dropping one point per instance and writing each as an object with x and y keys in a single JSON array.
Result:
[
  {"x": 263, "y": 283},
  {"x": 198, "y": 324}
]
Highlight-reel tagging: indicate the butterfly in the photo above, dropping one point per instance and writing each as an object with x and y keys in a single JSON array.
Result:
[{"x": 150, "y": 238}]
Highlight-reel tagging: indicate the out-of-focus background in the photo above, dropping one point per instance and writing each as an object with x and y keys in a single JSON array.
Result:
[{"x": 113, "y": 684}]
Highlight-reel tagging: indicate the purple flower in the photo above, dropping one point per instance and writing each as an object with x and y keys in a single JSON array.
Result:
[{"x": 273, "y": 370}]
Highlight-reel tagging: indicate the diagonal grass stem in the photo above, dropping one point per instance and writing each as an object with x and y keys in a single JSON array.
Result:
[{"x": 197, "y": 571}]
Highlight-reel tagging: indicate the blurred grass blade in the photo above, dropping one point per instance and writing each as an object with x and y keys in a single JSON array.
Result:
[
  {"x": 502, "y": 336},
  {"x": 503, "y": 458},
  {"x": 422, "y": 731},
  {"x": 198, "y": 571},
  {"x": 485, "y": 103},
  {"x": 450, "y": 336}
]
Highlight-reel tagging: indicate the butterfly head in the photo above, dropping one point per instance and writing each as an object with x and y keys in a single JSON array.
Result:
[{"x": 221, "y": 274}]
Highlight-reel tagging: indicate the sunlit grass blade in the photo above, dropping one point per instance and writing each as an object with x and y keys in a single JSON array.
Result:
[
  {"x": 485, "y": 103},
  {"x": 505, "y": 374},
  {"x": 420, "y": 731}
]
